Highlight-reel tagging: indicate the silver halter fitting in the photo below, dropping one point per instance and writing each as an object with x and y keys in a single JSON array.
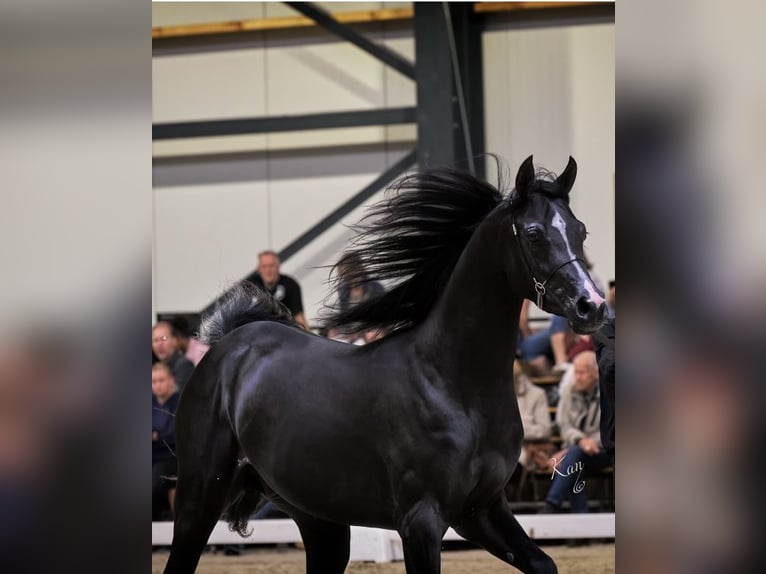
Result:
[{"x": 540, "y": 289}]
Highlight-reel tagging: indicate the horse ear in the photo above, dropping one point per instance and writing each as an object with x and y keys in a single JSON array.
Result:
[
  {"x": 526, "y": 176},
  {"x": 566, "y": 180}
]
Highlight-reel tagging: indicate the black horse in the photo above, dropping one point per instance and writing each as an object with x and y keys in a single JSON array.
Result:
[{"x": 416, "y": 432}]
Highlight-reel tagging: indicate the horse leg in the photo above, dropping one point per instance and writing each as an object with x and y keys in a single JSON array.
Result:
[
  {"x": 497, "y": 531},
  {"x": 327, "y": 545},
  {"x": 207, "y": 455},
  {"x": 421, "y": 530}
]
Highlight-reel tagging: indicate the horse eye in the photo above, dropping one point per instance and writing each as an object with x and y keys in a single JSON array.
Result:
[{"x": 534, "y": 234}]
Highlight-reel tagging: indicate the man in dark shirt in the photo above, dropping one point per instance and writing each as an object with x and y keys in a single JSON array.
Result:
[{"x": 283, "y": 288}]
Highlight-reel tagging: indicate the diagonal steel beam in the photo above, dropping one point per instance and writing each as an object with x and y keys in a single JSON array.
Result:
[
  {"x": 382, "y": 53},
  {"x": 377, "y": 117},
  {"x": 383, "y": 180}
]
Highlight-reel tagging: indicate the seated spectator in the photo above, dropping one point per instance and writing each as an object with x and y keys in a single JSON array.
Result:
[
  {"x": 580, "y": 343},
  {"x": 353, "y": 283},
  {"x": 165, "y": 348},
  {"x": 578, "y": 418},
  {"x": 192, "y": 348},
  {"x": 164, "y": 405},
  {"x": 535, "y": 419},
  {"x": 353, "y": 287},
  {"x": 546, "y": 347}
]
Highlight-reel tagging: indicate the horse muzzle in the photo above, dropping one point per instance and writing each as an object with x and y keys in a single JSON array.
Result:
[{"x": 589, "y": 314}]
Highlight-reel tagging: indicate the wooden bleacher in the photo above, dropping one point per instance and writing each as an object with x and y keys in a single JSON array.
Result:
[{"x": 527, "y": 490}]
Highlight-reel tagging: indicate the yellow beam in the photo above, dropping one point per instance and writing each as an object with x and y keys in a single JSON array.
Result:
[
  {"x": 486, "y": 7},
  {"x": 279, "y": 23},
  {"x": 362, "y": 17}
]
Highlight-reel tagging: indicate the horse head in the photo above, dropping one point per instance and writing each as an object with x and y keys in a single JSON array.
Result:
[{"x": 548, "y": 248}]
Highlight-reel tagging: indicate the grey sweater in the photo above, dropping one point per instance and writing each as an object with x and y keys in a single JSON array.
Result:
[{"x": 578, "y": 415}]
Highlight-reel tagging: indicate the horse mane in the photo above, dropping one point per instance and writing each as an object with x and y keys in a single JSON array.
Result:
[
  {"x": 414, "y": 238},
  {"x": 243, "y": 303}
]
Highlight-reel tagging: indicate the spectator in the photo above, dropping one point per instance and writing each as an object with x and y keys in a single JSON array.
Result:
[
  {"x": 191, "y": 346},
  {"x": 283, "y": 288},
  {"x": 539, "y": 348},
  {"x": 535, "y": 419},
  {"x": 557, "y": 343},
  {"x": 195, "y": 350},
  {"x": 165, "y": 348},
  {"x": 354, "y": 286},
  {"x": 164, "y": 405},
  {"x": 579, "y": 419}
]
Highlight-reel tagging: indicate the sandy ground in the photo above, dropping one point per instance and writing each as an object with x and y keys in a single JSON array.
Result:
[{"x": 594, "y": 559}]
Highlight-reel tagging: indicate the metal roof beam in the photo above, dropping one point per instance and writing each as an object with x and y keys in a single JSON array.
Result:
[
  {"x": 325, "y": 19},
  {"x": 381, "y": 116}
]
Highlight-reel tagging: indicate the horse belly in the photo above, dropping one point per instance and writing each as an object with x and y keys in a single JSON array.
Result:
[
  {"x": 322, "y": 466},
  {"x": 357, "y": 499}
]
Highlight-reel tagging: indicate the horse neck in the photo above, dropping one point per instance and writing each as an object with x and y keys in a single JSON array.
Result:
[{"x": 471, "y": 333}]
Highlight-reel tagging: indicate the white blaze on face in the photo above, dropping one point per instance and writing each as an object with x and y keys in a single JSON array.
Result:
[{"x": 559, "y": 224}]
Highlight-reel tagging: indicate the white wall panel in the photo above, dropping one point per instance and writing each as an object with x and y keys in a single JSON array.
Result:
[
  {"x": 208, "y": 85},
  {"x": 592, "y": 110},
  {"x": 313, "y": 78},
  {"x": 526, "y": 90},
  {"x": 205, "y": 236}
]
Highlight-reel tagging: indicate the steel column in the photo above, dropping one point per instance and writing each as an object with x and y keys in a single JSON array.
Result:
[{"x": 442, "y": 129}]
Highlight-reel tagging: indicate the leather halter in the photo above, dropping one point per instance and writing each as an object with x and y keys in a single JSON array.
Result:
[{"x": 539, "y": 287}]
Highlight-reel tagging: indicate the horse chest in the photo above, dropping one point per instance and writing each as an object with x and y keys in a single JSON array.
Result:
[
  {"x": 490, "y": 463},
  {"x": 465, "y": 467}
]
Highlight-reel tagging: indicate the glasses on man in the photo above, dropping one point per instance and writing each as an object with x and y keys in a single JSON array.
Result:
[{"x": 160, "y": 339}]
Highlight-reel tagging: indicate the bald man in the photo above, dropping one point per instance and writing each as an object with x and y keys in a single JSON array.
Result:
[
  {"x": 579, "y": 417},
  {"x": 282, "y": 287}
]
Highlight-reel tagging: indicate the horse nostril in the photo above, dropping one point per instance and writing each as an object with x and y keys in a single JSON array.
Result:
[
  {"x": 601, "y": 311},
  {"x": 584, "y": 306}
]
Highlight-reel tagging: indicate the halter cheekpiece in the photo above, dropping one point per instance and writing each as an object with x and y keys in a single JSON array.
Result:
[{"x": 539, "y": 287}]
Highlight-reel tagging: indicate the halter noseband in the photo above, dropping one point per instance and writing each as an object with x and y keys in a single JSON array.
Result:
[{"x": 539, "y": 287}]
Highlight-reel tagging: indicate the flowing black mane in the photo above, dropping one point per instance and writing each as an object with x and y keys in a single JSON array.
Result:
[
  {"x": 243, "y": 303},
  {"x": 415, "y": 238}
]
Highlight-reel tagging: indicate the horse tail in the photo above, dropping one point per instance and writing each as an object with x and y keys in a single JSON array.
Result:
[
  {"x": 243, "y": 498},
  {"x": 242, "y": 304}
]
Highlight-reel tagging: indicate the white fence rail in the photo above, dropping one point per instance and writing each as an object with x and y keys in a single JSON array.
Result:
[{"x": 377, "y": 545}]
